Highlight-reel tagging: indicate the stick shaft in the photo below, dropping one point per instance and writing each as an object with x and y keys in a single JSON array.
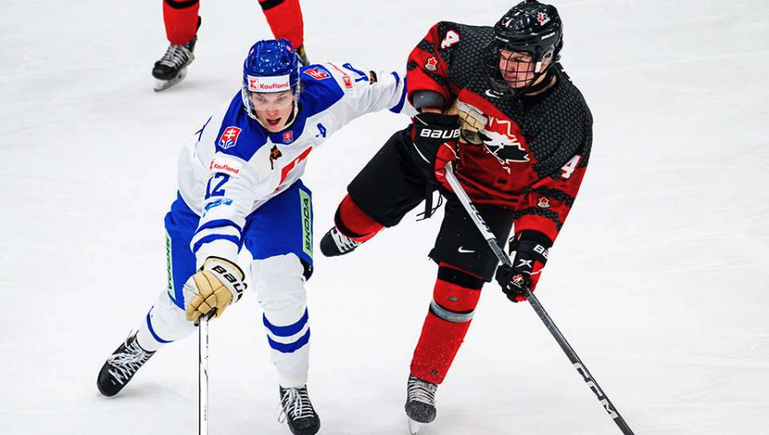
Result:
[
  {"x": 536, "y": 305},
  {"x": 203, "y": 376}
]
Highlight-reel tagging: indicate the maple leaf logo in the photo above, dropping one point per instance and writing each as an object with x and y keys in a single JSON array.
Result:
[
  {"x": 432, "y": 64},
  {"x": 506, "y": 149}
]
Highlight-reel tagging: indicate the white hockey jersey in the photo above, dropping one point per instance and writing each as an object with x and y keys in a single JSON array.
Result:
[{"x": 234, "y": 165}]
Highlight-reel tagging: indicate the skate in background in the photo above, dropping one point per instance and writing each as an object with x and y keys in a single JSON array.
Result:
[{"x": 182, "y": 23}]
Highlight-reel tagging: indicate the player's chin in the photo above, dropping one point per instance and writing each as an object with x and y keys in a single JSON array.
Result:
[
  {"x": 274, "y": 125},
  {"x": 518, "y": 83}
]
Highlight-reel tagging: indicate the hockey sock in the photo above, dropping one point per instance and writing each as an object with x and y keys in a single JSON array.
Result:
[
  {"x": 455, "y": 297},
  {"x": 163, "y": 324},
  {"x": 181, "y": 20},
  {"x": 354, "y": 222},
  {"x": 285, "y": 20}
]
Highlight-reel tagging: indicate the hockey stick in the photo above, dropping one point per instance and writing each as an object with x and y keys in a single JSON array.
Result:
[
  {"x": 203, "y": 376},
  {"x": 505, "y": 259}
]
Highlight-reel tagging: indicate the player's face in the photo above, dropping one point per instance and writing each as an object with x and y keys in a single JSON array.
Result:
[
  {"x": 273, "y": 109},
  {"x": 516, "y": 68}
]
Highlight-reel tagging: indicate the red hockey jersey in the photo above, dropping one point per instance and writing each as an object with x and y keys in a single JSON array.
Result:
[{"x": 534, "y": 149}]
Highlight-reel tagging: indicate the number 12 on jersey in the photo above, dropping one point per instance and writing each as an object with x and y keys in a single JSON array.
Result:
[{"x": 218, "y": 187}]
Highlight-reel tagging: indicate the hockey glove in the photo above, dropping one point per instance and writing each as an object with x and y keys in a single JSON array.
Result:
[
  {"x": 471, "y": 122},
  {"x": 430, "y": 133},
  {"x": 531, "y": 251},
  {"x": 211, "y": 290}
]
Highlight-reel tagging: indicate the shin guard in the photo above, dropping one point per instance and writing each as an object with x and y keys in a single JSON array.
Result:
[
  {"x": 354, "y": 222},
  {"x": 285, "y": 20},
  {"x": 455, "y": 297},
  {"x": 181, "y": 20}
]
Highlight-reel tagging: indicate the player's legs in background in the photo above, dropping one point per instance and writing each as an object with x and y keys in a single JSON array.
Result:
[
  {"x": 384, "y": 191},
  {"x": 181, "y": 21},
  {"x": 285, "y": 20},
  {"x": 165, "y": 321},
  {"x": 279, "y": 237},
  {"x": 465, "y": 263}
]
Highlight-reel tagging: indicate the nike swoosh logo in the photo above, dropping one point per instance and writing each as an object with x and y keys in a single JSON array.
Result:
[
  {"x": 492, "y": 94},
  {"x": 462, "y": 250}
]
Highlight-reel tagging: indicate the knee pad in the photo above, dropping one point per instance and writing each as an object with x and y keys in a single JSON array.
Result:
[
  {"x": 279, "y": 285},
  {"x": 455, "y": 295}
]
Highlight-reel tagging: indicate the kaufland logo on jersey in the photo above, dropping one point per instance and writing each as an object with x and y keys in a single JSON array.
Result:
[
  {"x": 229, "y": 137},
  {"x": 269, "y": 84},
  {"x": 225, "y": 166}
]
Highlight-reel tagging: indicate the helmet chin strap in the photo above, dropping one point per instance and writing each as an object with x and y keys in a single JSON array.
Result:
[
  {"x": 541, "y": 82},
  {"x": 293, "y": 115}
]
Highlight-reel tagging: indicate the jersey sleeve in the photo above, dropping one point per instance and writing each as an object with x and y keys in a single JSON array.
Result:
[
  {"x": 230, "y": 195},
  {"x": 367, "y": 90},
  {"x": 547, "y": 203},
  {"x": 428, "y": 64}
]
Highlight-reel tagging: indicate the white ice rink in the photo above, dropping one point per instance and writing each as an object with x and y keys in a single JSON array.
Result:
[{"x": 658, "y": 280}]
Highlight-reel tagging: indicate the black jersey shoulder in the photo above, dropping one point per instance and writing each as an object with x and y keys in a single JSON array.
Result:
[
  {"x": 466, "y": 57},
  {"x": 559, "y": 124},
  {"x": 463, "y": 48}
]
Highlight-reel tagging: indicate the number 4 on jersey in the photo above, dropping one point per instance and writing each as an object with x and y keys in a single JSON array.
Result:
[
  {"x": 451, "y": 38},
  {"x": 570, "y": 166}
]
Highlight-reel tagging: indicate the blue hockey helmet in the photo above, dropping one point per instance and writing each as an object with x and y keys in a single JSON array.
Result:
[{"x": 271, "y": 66}]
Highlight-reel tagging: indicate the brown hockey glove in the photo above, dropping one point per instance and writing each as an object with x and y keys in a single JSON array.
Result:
[
  {"x": 471, "y": 122},
  {"x": 211, "y": 290}
]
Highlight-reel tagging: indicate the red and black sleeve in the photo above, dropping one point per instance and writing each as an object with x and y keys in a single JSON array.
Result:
[
  {"x": 428, "y": 64},
  {"x": 547, "y": 203}
]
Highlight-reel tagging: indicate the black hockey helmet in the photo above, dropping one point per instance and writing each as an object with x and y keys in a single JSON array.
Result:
[{"x": 529, "y": 27}]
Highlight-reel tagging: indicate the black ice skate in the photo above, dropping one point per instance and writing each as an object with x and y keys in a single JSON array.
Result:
[
  {"x": 420, "y": 403},
  {"x": 298, "y": 411},
  {"x": 335, "y": 243},
  {"x": 172, "y": 67},
  {"x": 122, "y": 366}
]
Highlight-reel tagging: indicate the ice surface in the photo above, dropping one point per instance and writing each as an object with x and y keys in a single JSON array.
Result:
[{"x": 659, "y": 278}]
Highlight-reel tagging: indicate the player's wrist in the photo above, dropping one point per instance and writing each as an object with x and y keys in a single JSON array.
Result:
[
  {"x": 229, "y": 273},
  {"x": 533, "y": 243}
]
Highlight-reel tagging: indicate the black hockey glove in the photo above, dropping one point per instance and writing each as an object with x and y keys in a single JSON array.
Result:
[
  {"x": 431, "y": 131},
  {"x": 531, "y": 251}
]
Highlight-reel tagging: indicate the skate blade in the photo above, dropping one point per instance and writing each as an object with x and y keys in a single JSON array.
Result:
[
  {"x": 415, "y": 427},
  {"x": 161, "y": 85}
]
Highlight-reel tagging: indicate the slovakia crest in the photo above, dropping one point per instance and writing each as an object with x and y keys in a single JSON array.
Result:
[
  {"x": 229, "y": 137},
  {"x": 432, "y": 64},
  {"x": 543, "y": 18},
  {"x": 288, "y": 136},
  {"x": 317, "y": 73}
]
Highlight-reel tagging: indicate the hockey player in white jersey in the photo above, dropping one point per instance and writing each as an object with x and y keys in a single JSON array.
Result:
[{"x": 239, "y": 185}]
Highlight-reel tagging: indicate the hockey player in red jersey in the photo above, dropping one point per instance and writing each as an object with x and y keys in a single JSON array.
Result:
[
  {"x": 182, "y": 22},
  {"x": 496, "y": 103}
]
